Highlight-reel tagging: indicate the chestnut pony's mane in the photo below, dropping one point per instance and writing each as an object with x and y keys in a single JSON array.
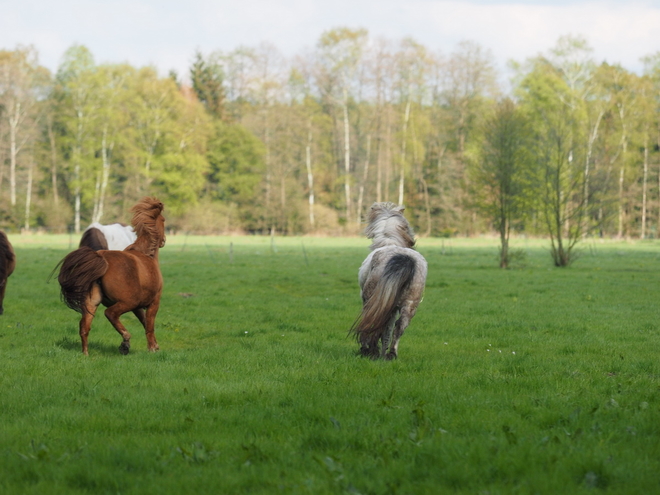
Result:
[{"x": 145, "y": 222}]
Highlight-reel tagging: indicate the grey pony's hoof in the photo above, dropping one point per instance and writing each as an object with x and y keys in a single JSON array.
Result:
[
  {"x": 124, "y": 347},
  {"x": 370, "y": 352},
  {"x": 390, "y": 356}
]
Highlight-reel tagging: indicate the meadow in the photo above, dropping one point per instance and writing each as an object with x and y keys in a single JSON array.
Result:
[{"x": 530, "y": 380}]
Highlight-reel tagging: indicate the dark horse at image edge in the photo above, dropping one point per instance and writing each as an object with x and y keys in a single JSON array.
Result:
[
  {"x": 123, "y": 281},
  {"x": 7, "y": 265}
]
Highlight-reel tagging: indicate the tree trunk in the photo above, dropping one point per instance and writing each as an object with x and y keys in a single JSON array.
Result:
[
  {"x": 283, "y": 225},
  {"x": 97, "y": 194},
  {"x": 620, "y": 231},
  {"x": 28, "y": 197},
  {"x": 379, "y": 171},
  {"x": 76, "y": 221},
  {"x": 644, "y": 183},
  {"x": 347, "y": 157},
  {"x": 403, "y": 152},
  {"x": 365, "y": 174},
  {"x": 13, "y": 152},
  {"x": 504, "y": 243},
  {"x": 53, "y": 163},
  {"x": 427, "y": 205},
  {"x": 310, "y": 176},
  {"x": 77, "y": 160},
  {"x": 585, "y": 193},
  {"x": 388, "y": 151},
  {"x": 657, "y": 234},
  {"x": 106, "y": 152}
]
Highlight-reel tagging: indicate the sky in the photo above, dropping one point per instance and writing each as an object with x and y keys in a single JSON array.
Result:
[{"x": 167, "y": 33}]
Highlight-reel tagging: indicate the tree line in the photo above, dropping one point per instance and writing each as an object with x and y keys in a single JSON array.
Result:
[{"x": 250, "y": 141}]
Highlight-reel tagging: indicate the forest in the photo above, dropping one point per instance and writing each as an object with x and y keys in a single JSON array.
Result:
[{"x": 252, "y": 142}]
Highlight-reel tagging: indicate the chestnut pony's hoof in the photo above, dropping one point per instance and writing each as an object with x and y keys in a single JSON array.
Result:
[{"x": 125, "y": 347}]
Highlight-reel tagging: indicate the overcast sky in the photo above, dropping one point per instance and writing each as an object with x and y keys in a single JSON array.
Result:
[{"x": 166, "y": 33}]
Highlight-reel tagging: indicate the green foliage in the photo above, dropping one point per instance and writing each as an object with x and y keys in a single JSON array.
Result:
[
  {"x": 236, "y": 158},
  {"x": 275, "y": 141},
  {"x": 554, "y": 114},
  {"x": 181, "y": 179},
  {"x": 534, "y": 380},
  {"x": 207, "y": 82},
  {"x": 498, "y": 176}
]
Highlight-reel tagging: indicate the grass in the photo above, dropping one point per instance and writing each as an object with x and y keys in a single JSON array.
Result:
[{"x": 531, "y": 380}]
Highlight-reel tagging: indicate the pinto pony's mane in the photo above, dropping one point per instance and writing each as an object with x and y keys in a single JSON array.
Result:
[
  {"x": 388, "y": 227},
  {"x": 93, "y": 238},
  {"x": 150, "y": 235}
]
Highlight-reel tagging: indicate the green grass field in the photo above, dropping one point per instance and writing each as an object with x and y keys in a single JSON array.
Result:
[{"x": 531, "y": 380}]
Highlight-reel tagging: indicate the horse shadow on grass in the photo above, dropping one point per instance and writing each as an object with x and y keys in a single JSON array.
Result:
[{"x": 69, "y": 344}]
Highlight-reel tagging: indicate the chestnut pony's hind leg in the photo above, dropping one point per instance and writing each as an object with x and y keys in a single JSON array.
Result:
[
  {"x": 150, "y": 327},
  {"x": 139, "y": 313},
  {"x": 91, "y": 305},
  {"x": 148, "y": 321},
  {"x": 113, "y": 313}
]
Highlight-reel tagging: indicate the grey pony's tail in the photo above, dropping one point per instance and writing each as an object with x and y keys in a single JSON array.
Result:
[{"x": 383, "y": 302}]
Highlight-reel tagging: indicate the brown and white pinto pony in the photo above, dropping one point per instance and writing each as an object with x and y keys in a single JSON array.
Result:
[
  {"x": 7, "y": 265},
  {"x": 115, "y": 236},
  {"x": 392, "y": 280},
  {"x": 123, "y": 281}
]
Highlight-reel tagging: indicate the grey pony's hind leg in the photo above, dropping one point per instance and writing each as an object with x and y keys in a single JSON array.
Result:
[
  {"x": 369, "y": 345},
  {"x": 387, "y": 336},
  {"x": 401, "y": 325}
]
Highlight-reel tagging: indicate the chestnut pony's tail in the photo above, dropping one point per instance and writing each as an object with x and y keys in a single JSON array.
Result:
[
  {"x": 383, "y": 303},
  {"x": 79, "y": 271}
]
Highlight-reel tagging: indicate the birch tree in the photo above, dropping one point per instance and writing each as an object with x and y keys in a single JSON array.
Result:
[
  {"x": 557, "y": 152},
  {"x": 23, "y": 83},
  {"x": 339, "y": 53},
  {"x": 412, "y": 63},
  {"x": 77, "y": 92}
]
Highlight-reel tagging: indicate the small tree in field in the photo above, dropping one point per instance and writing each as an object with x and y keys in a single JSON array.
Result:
[{"x": 498, "y": 176}]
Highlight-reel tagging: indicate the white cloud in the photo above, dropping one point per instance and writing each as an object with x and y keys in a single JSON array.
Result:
[{"x": 166, "y": 33}]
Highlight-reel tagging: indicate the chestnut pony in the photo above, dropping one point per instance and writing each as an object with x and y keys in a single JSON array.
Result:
[
  {"x": 7, "y": 265},
  {"x": 123, "y": 281}
]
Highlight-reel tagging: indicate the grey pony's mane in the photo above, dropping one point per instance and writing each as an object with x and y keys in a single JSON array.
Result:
[{"x": 388, "y": 227}]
